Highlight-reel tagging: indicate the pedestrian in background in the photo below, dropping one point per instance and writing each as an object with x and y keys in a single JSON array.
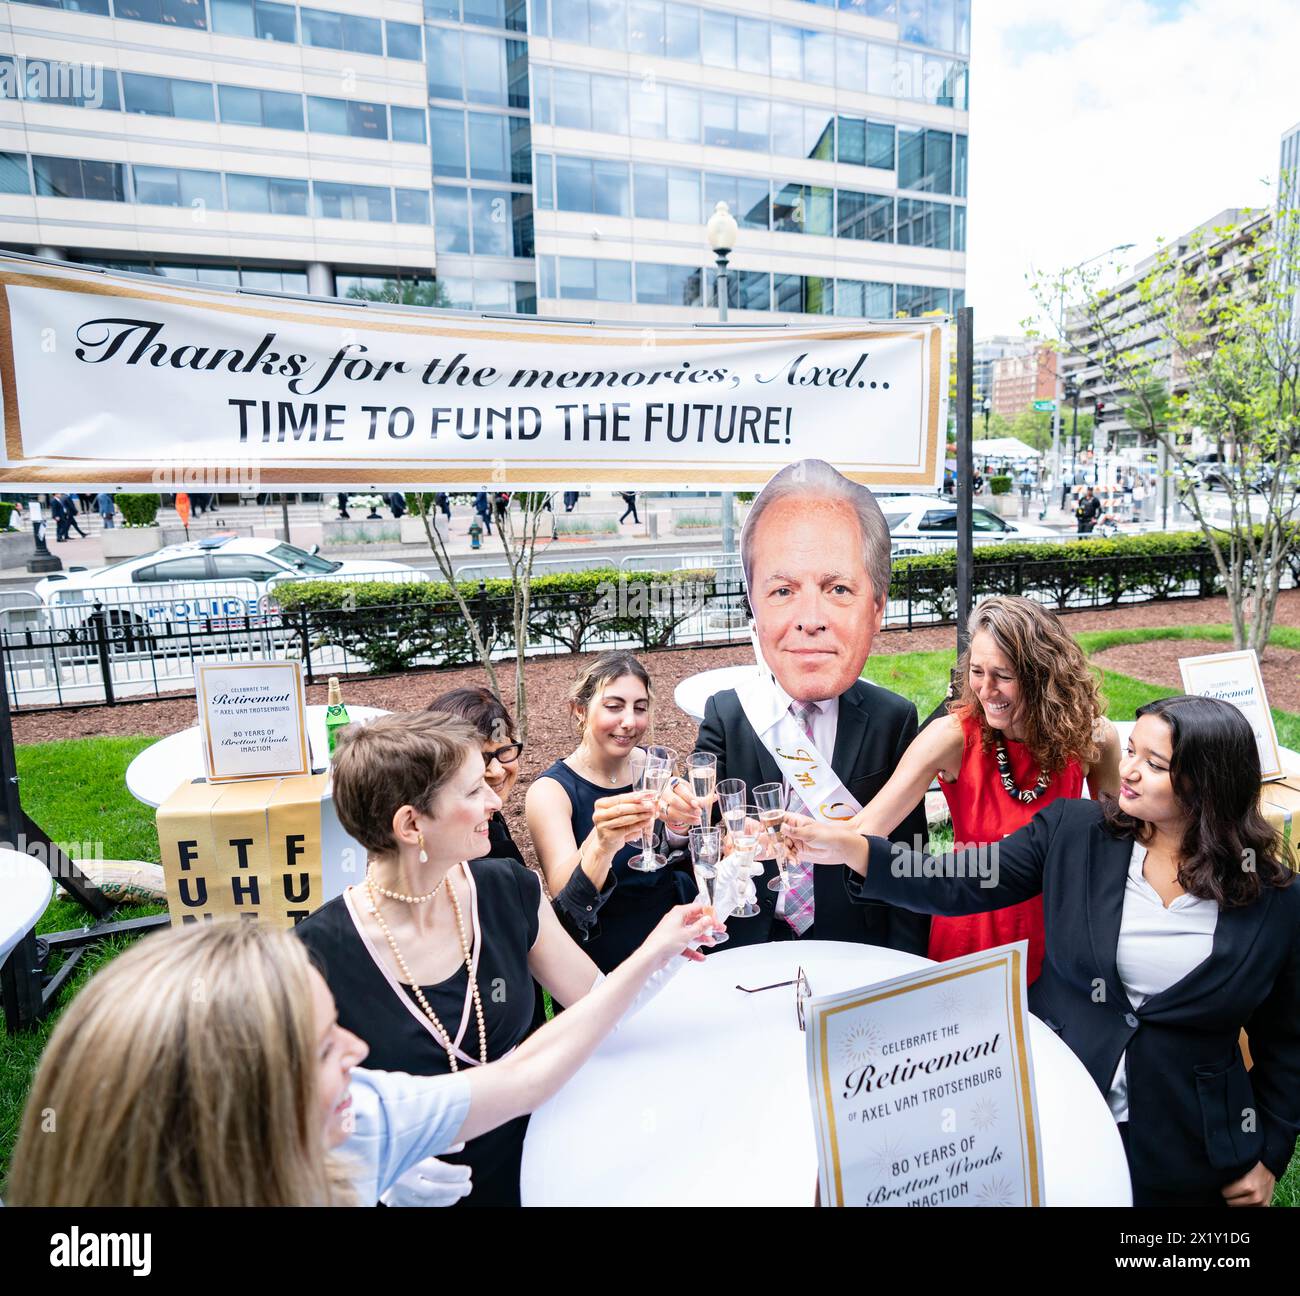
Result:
[
  {"x": 106, "y": 509},
  {"x": 484, "y": 510},
  {"x": 629, "y": 498}
]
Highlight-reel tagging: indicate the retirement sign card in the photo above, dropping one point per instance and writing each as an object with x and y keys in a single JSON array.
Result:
[{"x": 923, "y": 1088}]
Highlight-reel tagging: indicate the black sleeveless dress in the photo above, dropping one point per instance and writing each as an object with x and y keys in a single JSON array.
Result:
[
  {"x": 638, "y": 900},
  {"x": 508, "y": 900}
]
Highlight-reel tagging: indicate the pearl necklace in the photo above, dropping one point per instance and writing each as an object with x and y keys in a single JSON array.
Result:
[
  {"x": 446, "y": 1040},
  {"x": 405, "y": 899}
]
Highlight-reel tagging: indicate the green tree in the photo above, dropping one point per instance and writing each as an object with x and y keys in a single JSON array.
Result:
[{"x": 1207, "y": 339}]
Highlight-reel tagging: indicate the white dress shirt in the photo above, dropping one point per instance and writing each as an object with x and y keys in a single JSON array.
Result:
[{"x": 1157, "y": 947}]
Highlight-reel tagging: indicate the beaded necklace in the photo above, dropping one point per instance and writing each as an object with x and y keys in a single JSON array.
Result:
[
  {"x": 1028, "y": 796},
  {"x": 374, "y": 890}
]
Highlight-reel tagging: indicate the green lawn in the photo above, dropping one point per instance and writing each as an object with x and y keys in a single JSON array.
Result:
[{"x": 76, "y": 789}]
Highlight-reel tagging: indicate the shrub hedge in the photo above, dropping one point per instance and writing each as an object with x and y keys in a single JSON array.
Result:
[
  {"x": 578, "y": 610},
  {"x": 573, "y": 609}
]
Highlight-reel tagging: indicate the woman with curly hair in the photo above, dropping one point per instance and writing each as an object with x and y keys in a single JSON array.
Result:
[{"x": 1028, "y": 728}]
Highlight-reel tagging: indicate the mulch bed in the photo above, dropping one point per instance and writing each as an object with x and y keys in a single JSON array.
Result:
[
  {"x": 1157, "y": 663},
  {"x": 550, "y": 733}
]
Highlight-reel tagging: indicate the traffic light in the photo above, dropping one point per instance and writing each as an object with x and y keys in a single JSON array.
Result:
[{"x": 1097, "y": 411}]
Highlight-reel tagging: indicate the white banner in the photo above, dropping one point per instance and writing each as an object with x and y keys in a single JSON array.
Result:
[{"x": 115, "y": 380}]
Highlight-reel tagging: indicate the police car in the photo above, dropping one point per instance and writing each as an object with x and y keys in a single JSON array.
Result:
[
  {"x": 222, "y": 579},
  {"x": 927, "y": 523}
]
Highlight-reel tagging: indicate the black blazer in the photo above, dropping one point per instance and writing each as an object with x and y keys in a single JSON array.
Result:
[
  {"x": 873, "y": 730},
  {"x": 1197, "y": 1118}
]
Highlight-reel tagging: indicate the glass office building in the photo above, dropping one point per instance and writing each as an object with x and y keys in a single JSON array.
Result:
[{"x": 559, "y": 156}]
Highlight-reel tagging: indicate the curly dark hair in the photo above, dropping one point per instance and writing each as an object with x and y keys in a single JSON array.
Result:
[{"x": 1230, "y": 853}]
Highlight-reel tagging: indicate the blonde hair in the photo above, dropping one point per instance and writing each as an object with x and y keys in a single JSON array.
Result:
[
  {"x": 598, "y": 674},
  {"x": 1059, "y": 697},
  {"x": 394, "y": 761},
  {"x": 183, "y": 1074}
]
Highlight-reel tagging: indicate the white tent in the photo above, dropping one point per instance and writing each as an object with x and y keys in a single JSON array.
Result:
[{"x": 1005, "y": 448}]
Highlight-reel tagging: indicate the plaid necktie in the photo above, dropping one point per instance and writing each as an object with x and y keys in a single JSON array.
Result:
[{"x": 798, "y": 900}]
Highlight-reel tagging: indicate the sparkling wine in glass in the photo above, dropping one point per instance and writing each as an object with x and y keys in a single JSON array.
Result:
[
  {"x": 744, "y": 842},
  {"x": 770, "y": 800},
  {"x": 706, "y": 856},
  {"x": 658, "y": 772},
  {"x": 702, "y": 767}
]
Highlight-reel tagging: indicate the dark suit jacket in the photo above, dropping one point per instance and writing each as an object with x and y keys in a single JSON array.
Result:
[
  {"x": 1197, "y": 1118},
  {"x": 873, "y": 730}
]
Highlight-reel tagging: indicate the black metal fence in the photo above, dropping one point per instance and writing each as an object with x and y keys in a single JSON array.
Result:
[{"x": 109, "y": 654}]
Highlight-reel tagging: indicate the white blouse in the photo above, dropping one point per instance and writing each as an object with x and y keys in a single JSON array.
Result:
[{"x": 1157, "y": 947}]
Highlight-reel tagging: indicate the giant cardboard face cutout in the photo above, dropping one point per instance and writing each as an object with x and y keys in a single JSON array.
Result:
[{"x": 816, "y": 609}]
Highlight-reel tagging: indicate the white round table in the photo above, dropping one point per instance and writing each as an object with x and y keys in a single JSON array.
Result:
[
  {"x": 158, "y": 770},
  {"x": 701, "y": 1099},
  {"x": 693, "y": 693},
  {"x": 25, "y": 890}
]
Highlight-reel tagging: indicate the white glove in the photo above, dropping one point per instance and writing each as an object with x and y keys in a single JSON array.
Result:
[{"x": 431, "y": 1183}]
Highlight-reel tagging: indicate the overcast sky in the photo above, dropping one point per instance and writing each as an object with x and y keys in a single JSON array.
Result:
[{"x": 1116, "y": 121}]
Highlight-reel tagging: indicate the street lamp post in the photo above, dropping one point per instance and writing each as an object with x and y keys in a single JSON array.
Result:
[
  {"x": 722, "y": 232},
  {"x": 1060, "y": 331},
  {"x": 988, "y": 409}
]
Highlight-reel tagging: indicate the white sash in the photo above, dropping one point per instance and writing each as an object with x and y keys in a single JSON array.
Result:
[{"x": 803, "y": 767}]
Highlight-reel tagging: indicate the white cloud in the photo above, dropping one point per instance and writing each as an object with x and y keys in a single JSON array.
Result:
[{"x": 1115, "y": 121}]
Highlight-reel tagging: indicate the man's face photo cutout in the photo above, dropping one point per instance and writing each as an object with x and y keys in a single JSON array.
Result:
[{"x": 814, "y": 547}]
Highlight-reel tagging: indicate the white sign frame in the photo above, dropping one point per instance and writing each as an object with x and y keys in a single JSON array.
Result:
[
  {"x": 217, "y": 728},
  {"x": 992, "y": 1152},
  {"x": 1237, "y": 675}
]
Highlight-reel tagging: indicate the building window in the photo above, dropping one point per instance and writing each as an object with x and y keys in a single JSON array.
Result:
[
  {"x": 544, "y": 184},
  {"x": 748, "y": 199},
  {"x": 447, "y": 141},
  {"x": 918, "y": 299},
  {"x": 572, "y": 99},
  {"x": 402, "y": 41},
  {"x": 242, "y": 106},
  {"x": 58, "y": 177},
  {"x": 608, "y": 21},
  {"x": 173, "y": 187},
  {"x": 924, "y": 224},
  {"x": 408, "y": 124},
  {"x": 412, "y": 206},
  {"x": 163, "y": 97},
  {"x": 443, "y": 64},
  {"x": 668, "y": 285},
  {"x": 645, "y": 27},
  {"x": 353, "y": 117},
  {"x": 351, "y": 201},
  {"x": 869, "y": 217},
  {"x": 573, "y": 184},
  {"x": 682, "y": 32},
  {"x": 864, "y": 300},
  {"x": 490, "y": 214},
  {"x": 262, "y": 19},
  {"x": 341, "y": 31},
  {"x": 489, "y": 150},
  {"x": 250, "y": 193},
  {"x": 14, "y": 176},
  {"x": 172, "y": 13},
  {"x": 451, "y": 219}
]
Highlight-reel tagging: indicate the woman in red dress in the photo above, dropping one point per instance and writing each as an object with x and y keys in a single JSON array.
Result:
[{"x": 1027, "y": 728}]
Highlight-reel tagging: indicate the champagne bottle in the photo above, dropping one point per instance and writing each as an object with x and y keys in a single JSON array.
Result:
[{"x": 336, "y": 714}]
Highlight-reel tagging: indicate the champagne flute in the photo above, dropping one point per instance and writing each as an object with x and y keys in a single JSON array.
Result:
[
  {"x": 770, "y": 799},
  {"x": 744, "y": 842},
  {"x": 636, "y": 767},
  {"x": 658, "y": 771},
  {"x": 702, "y": 768},
  {"x": 706, "y": 856}
]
